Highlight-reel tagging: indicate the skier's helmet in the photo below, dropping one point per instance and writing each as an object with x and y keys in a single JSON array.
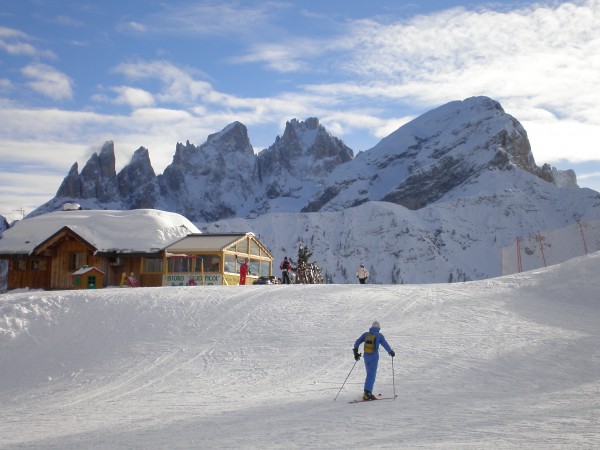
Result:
[{"x": 376, "y": 325}]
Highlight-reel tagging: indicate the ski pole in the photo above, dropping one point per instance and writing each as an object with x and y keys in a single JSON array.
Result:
[
  {"x": 345, "y": 381},
  {"x": 393, "y": 378}
]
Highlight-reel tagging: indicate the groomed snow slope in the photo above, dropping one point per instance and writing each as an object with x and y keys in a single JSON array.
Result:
[{"x": 511, "y": 362}]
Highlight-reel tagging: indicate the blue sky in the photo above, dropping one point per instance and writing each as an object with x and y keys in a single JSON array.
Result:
[{"x": 74, "y": 74}]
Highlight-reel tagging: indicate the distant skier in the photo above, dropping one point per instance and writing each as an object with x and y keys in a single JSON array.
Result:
[
  {"x": 371, "y": 339},
  {"x": 285, "y": 267},
  {"x": 243, "y": 271},
  {"x": 362, "y": 274}
]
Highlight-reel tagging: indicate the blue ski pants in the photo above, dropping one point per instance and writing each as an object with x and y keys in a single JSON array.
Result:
[{"x": 371, "y": 362}]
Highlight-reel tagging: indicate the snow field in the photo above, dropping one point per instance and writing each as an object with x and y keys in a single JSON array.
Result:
[{"x": 510, "y": 362}]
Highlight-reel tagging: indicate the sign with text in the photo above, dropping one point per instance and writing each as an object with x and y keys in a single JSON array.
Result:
[{"x": 191, "y": 279}]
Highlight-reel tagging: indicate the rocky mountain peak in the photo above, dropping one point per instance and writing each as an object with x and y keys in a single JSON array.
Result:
[
  {"x": 301, "y": 134},
  {"x": 106, "y": 160},
  {"x": 71, "y": 186},
  {"x": 137, "y": 181},
  {"x": 233, "y": 138},
  {"x": 306, "y": 151},
  {"x": 97, "y": 179},
  {"x": 439, "y": 155},
  {"x": 431, "y": 156}
]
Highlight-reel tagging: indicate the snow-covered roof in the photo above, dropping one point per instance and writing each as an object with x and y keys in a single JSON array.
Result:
[
  {"x": 86, "y": 269},
  {"x": 135, "y": 231}
]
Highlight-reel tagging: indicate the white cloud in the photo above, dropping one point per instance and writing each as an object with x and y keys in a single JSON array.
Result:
[
  {"x": 214, "y": 109},
  {"x": 563, "y": 140},
  {"x": 16, "y": 43},
  {"x": 48, "y": 81},
  {"x": 178, "y": 85},
  {"x": 41, "y": 168},
  {"x": 133, "y": 26},
  {"x": 587, "y": 176},
  {"x": 5, "y": 84},
  {"x": 282, "y": 58},
  {"x": 31, "y": 155},
  {"x": 133, "y": 97},
  {"x": 213, "y": 18},
  {"x": 27, "y": 191},
  {"x": 526, "y": 53},
  {"x": 68, "y": 21},
  {"x": 540, "y": 62}
]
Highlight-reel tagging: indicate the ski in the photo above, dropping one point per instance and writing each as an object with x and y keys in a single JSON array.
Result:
[{"x": 378, "y": 398}]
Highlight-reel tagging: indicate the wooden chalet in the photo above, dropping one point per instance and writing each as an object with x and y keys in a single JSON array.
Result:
[
  {"x": 154, "y": 248},
  {"x": 44, "y": 251}
]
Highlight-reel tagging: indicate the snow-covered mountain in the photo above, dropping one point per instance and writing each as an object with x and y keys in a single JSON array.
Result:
[
  {"x": 221, "y": 178},
  {"x": 444, "y": 154},
  {"x": 433, "y": 201},
  {"x": 459, "y": 240},
  {"x": 435, "y": 157}
]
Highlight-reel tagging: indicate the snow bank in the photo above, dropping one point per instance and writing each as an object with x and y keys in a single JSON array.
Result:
[{"x": 509, "y": 362}]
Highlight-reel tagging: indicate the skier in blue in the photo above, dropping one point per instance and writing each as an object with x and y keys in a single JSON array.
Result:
[{"x": 371, "y": 339}]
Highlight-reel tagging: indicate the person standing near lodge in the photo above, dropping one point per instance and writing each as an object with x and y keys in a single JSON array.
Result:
[
  {"x": 285, "y": 267},
  {"x": 362, "y": 274},
  {"x": 372, "y": 339},
  {"x": 243, "y": 272}
]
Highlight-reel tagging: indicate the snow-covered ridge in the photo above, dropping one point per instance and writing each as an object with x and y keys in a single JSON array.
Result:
[
  {"x": 307, "y": 169},
  {"x": 503, "y": 363},
  {"x": 458, "y": 240}
]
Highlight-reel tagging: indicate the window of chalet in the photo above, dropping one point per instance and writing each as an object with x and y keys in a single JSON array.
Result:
[
  {"x": 254, "y": 267},
  {"x": 254, "y": 248},
  {"x": 265, "y": 268},
  {"x": 76, "y": 261},
  {"x": 39, "y": 264},
  {"x": 230, "y": 264},
  {"x": 153, "y": 265},
  {"x": 18, "y": 265},
  {"x": 180, "y": 264},
  {"x": 212, "y": 263},
  {"x": 242, "y": 246}
]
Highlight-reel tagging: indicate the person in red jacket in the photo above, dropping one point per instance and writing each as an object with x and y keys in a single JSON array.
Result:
[
  {"x": 285, "y": 267},
  {"x": 243, "y": 272}
]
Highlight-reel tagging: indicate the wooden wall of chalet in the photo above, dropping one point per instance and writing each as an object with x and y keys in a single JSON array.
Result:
[
  {"x": 114, "y": 272},
  {"x": 151, "y": 279},
  {"x": 60, "y": 277},
  {"x": 62, "y": 268},
  {"x": 53, "y": 268},
  {"x": 30, "y": 273},
  {"x": 53, "y": 271}
]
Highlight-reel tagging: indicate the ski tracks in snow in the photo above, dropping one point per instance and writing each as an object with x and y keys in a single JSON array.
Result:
[{"x": 252, "y": 366}]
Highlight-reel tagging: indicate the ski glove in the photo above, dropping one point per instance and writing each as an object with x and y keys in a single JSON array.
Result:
[
  {"x": 392, "y": 353},
  {"x": 356, "y": 354}
]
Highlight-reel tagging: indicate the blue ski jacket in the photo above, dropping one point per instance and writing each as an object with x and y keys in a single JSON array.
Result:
[{"x": 379, "y": 339}]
